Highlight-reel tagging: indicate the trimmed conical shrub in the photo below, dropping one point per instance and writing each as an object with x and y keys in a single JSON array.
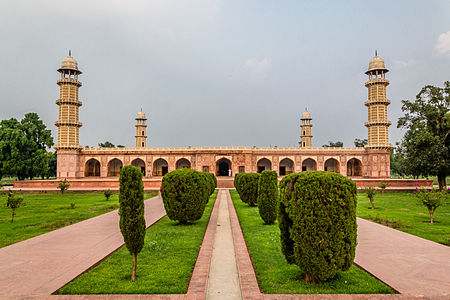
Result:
[
  {"x": 268, "y": 196},
  {"x": 236, "y": 182},
  {"x": 317, "y": 219},
  {"x": 185, "y": 193},
  {"x": 248, "y": 188},
  {"x": 131, "y": 212}
]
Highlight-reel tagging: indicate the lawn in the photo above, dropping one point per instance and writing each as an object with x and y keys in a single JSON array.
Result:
[
  {"x": 165, "y": 264},
  {"x": 276, "y": 276},
  {"x": 402, "y": 211},
  {"x": 46, "y": 212}
]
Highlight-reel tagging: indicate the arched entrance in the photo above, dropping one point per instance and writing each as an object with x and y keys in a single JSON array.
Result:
[
  {"x": 223, "y": 167},
  {"x": 309, "y": 165},
  {"x": 286, "y": 166},
  {"x": 140, "y": 164},
  {"x": 354, "y": 167},
  {"x": 92, "y": 168},
  {"x": 160, "y": 167},
  {"x": 114, "y": 167},
  {"x": 263, "y": 164},
  {"x": 183, "y": 163},
  {"x": 331, "y": 165}
]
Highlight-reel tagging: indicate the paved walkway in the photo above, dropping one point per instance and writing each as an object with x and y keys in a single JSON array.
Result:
[
  {"x": 409, "y": 264},
  {"x": 43, "y": 264},
  {"x": 223, "y": 280}
]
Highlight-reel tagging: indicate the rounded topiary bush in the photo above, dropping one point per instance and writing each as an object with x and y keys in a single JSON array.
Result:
[
  {"x": 248, "y": 186},
  {"x": 268, "y": 196},
  {"x": 317, "y": 219},
  {"x": 185, "y": 193},
  {"x": 212, "y": 182},
  {"x": 236, "y": 182}
]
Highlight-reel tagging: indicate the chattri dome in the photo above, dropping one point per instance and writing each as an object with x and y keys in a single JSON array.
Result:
[
  {"x": 376, "y": 63},
  {"x": 306, "y": 115},
  {"x": 69, "y": 63},
  {"x": 141, "y": 116}
]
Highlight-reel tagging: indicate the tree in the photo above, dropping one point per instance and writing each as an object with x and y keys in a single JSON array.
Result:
[
  {"x": 426, "y": 143},
  {"x": 431, "y": 199},
  {"x": 23, "y": 147},
  {"x": 360, "y": 143},
  {"x": 131, "y": 212},
  {"x": 63, "y": 186},
  {"x": 334, "y": 144},
  {"x": 52, "y": 162},
  {"x": 398, "y": 162},
  {"x": 14, "y": 201},
  {"x": 370, "y": 192},
  {"x": 268, "y": 196},
  {"x": 248, "y": 188},
  {"x": 106, "y": 144}
]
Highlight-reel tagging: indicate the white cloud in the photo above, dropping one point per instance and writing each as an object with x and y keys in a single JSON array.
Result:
[{"x": 443, "y": 43}]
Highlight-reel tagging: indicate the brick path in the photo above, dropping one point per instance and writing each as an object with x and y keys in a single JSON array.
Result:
[{"x": 43, "y": 264}]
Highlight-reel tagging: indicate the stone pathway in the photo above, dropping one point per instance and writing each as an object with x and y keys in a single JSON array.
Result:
[
  {"x": 223, "y": 280},
  {"x": 409, "y": 264},
  {"x": 43, "y": 264}
]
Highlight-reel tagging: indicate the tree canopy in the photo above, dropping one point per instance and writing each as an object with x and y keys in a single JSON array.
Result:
[
  {"x": 106, "y": 144},
  {"x": 426, "y": 143},
  {"x": 23, "y": 147},
  {"x": 334, "y": 144},
  {"x": 360, "y": 143}
]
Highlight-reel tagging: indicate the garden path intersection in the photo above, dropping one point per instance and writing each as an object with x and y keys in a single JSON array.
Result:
[{"x": 35, "y": 268}]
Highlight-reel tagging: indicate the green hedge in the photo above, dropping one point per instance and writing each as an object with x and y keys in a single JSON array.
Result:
[
  {"x": 317, "y": 220},
  {"x": 248, "y": 187},
  {"x": 212, "y": 182},
  {"x": 236, "y": 182},
  {"x": 185, "y": 193},
  {"x": 268, "y": 196}
]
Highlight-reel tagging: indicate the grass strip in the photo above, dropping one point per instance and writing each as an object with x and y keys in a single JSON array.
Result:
[
  {"x": 403, "y": 212},
  {"x": 276, "y": 276},
  {"x": 46, "y": 212},
  {"x": 165, "y": 264}
]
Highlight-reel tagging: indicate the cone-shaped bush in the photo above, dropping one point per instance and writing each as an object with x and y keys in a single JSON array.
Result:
[
  {"x": 268, "y": 196},
  {"x": 131, "y": 211},
  {"x": 248, "y": 186},
  {"x": 185, "y": 193},
  {"x": 212, "y": 181},
  {"x": 236, "y": 182},
  {"x": 317, "y": 219}
]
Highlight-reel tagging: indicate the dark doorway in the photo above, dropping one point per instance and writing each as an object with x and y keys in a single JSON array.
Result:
[
  {"x": 261, "y": 168},
  {"x": 164, "y": 170},
  {"x": 282, "y": 171},
  {"x": 303, "y": 168},
  {"x": 224, "y": 168}
]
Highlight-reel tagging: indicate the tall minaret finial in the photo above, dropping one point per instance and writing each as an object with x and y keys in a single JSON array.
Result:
[
  {"x": 70, "y": 52},
  {"x": 305, "y": 126},
  {"x": 376, "y": 52}
]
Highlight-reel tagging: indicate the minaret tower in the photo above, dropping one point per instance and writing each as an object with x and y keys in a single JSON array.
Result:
[
  {"x": 377, "y": 124},
  {"x": 141, "y": 128},
  {"x": 306, "y": 130},
  {"x": 68, "y": 124}
]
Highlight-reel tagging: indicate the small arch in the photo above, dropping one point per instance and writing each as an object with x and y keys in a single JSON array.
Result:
[
  {"x": 331, "y": 165},
  {"x": 286, "y": 166},
  {"x": 140, "y": 164},
  {"x": 160, "y": 167},
  {"x": 263, "y": 164},
  {"x": 309, "y": 164},
  {"x": 354, "y": 167},
  {"x": 223, "y": 167},
  {"x": 114, "y": 167},
  {"x": 92, "y": 168},
  {"x": 183, "y": 163}
]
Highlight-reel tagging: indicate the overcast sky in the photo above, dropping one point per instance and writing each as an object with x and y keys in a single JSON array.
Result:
[{"x": 218, "y": 73}]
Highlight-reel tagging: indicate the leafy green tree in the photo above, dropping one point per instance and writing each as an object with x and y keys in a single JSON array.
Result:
[
  {"x": 14, "y": 201},
  {"x": 431, "y": 199},
  {"x": 23, "y": 147},
  {"x": 370, "y": 192},
  {"x": 52, "y": 162},
  {"x": 268, "y": 196},
  {"x": 108, "y": 194},
  {"x": 131, "y": 211},
  {"x": 398, "y": 162},
  {"x": 360, "y": 143},
  {"x": 106, "y": 144},
  {"x": 426, "y": 144},
  {"x": 334, "y": 144},
  {"x": 63, "y": 185}
]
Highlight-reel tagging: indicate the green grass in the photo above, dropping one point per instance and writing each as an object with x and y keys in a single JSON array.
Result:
[
  {"x": 165, "y": 264},
  {"x": 403, "y": 211},
  {"x": 276, "y": 276},
  {"x": 46, "y": 212}
]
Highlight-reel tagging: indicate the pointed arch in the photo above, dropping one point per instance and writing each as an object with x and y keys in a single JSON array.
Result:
[
  {"x": 114, "y": 167},
  {"x": 331, "y": 165},
  {"x": 92, "y": 168},
  {"x": 223, "y": 167},
  {"x": 140, "y": 164},
  {"x": 160, "y": 167},
  {"x": 286, "y": 166},
  {"x": 263, "y": 164},
  {"x": 309, "y": 164},
  {"x": 354, "y": 167},
  {"x": 182, "y": 163}
]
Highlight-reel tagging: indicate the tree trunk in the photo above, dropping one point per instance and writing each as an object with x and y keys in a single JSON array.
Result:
[
  {"x": 12, "y": 215},
  {"x": 309, "y": 278},
  {"x": 442, "y": 182},
  {"x": 133, "y": 272},
  {"x": 371, "y": 203},
  {"x": 431, "y": 215}
]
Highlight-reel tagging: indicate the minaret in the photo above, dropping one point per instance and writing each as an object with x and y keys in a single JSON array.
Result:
[
  {"x": 68, "y": 125},
  {"x": 306, "y": 129},
  {"x": 377, "y": 124},
  {"x": 141, "y": 128}
]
